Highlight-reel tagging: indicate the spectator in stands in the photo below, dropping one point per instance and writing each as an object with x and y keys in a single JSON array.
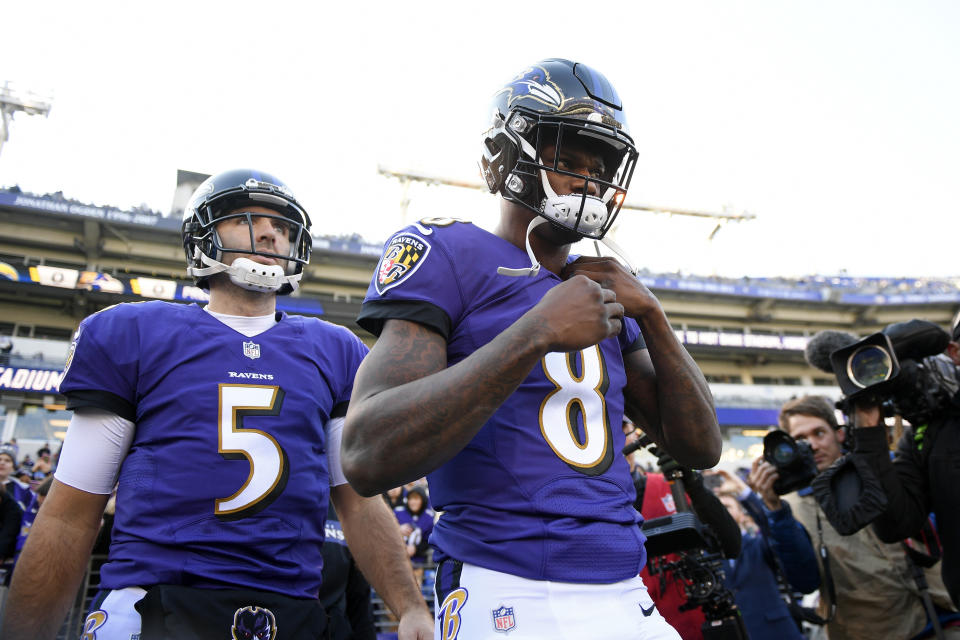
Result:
[
  {"x": 43, "y": 466},
  {"x": 876, "y": 594},
  {"x": 27, "y": 463},
  {"x": 25, "y": 476},
  {"x": 416, "y": 523},
  {"x": 11, "y": 516},
  {"x": 31, "y": 513},
  {"x": 13, "y": 487}
]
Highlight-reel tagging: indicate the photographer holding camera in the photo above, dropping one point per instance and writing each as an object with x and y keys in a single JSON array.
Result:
[
  {"x": 875, "y": 593},
  {"x": 923, "y": 476}
]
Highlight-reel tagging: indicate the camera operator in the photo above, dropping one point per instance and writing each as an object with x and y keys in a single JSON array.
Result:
[
  {"x": 656, "y": 498},
  {"x": 924, "y": 475},
  {"x": 876, "y": 595}
]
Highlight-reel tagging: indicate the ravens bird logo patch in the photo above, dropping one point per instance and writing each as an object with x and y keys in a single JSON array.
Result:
[{"x": 402, "y": 256}]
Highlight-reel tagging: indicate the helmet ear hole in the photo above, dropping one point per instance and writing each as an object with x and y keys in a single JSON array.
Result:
[{"x": 517, "y": 185}]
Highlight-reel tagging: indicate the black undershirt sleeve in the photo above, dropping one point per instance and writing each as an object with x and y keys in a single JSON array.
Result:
[
  {"x": 101, "y": 400},
  {"x": 375, "y": 313}
]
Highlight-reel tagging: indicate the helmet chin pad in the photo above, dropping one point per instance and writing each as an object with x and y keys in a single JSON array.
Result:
[
  {"x": 564, "y": 211},
  {"x": 253, "y": 276}
]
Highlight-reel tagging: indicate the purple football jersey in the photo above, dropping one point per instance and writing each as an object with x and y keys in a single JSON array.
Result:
[
  {"x": 226, "y": 482},
  {"x": 541, "y": 491}
]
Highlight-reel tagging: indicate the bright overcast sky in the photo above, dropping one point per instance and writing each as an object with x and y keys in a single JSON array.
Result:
[{"x": 837, "y": 123}]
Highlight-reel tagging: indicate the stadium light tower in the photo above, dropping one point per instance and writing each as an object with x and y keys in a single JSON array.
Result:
[{"x": 12, "y": 101}]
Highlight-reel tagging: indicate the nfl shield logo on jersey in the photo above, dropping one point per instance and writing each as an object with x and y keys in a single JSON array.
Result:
[
  {"x": 503, "y": 619},
  {"x": 251, "y": 350}
]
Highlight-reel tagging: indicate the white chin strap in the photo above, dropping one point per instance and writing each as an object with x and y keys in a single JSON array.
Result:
[
  {"x": 534, "y": 267},
  {"x": 617, "y": 249},
  {"x": 247, "y": 274}
]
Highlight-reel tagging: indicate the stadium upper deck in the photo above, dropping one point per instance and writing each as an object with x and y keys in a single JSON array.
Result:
[{"x": 63, "y": 259}]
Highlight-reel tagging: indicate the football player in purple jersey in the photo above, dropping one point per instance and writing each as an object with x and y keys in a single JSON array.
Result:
[
  {"x": 504, "y": 368},
  {"x": 220, "y": 427}
]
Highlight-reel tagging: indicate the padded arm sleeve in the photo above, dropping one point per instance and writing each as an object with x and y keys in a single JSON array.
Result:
[{"x": 97, "y": 442}]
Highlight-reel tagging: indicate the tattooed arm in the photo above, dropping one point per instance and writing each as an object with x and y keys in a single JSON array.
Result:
[
  {"x": 409, "y": 413},
  {"x": 666, "y": 392}
]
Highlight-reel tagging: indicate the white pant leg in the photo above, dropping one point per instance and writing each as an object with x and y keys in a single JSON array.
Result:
[
  {"x": 115, "y": 618},
  {"x": 487, "y": 605}
]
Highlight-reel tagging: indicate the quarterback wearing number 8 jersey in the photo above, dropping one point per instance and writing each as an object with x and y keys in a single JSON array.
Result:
[
  {"x": 220, "y": 427},
  {"x": 504, "y": 368}
]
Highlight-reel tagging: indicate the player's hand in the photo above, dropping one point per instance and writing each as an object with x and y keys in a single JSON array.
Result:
[
  {"x": 416, "y": 624},
  {"x": 576, "y": 314},
  {"x": 761, "y": 479},
  {"x": 636, "y": 299}
]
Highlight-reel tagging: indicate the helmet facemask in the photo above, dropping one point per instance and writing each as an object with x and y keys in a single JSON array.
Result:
[
  {"x": 205, "y": 249},
  {"x": 590, "y": 211}
]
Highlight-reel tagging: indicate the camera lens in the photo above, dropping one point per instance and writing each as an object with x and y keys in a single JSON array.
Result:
[
  {"x": 869, "y": 365},
  {"x": 783, "y": 454}
]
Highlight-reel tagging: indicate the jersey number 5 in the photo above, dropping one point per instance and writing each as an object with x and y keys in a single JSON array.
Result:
[
  {"x": 269, "y": 465},
  {"x": 578, "y": 401}
]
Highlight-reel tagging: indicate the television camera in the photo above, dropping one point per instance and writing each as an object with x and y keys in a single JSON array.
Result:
[{"x": 692, "y": 552}]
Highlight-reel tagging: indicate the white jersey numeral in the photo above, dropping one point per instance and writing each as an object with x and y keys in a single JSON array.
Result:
[
  {"x": 578, "y": 400},
  {"x": 269, "y": 465}
]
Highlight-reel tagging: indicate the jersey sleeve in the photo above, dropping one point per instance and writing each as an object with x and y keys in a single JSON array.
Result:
[
  {"x": 353, "y": 353},
  {"x": 415, "y": 280},
  {"x": 102, "y": 366},
  {"x": 631, "y": 338}
]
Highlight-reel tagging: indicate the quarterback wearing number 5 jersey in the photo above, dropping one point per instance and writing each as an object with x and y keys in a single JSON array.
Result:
[
  {"x": 504, "y": 368},
  {"x": 220, "y": 429}
]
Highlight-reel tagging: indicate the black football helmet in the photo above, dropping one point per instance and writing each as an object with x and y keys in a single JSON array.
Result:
[
  {"x": 557, "y": 102},
  {"x": 223, "y": 196}
]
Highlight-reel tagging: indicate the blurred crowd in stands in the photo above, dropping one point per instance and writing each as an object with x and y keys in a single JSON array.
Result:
[{"x": 25, "y": 482}]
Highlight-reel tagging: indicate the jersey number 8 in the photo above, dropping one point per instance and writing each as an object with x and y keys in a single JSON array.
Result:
[{"x": 576, "y": 399}]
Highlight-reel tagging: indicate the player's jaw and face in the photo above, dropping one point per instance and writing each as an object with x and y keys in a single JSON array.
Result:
[
  {"x": 271, "y": 234},
  {"x": 821, "y": 437},
  {"x": 574, "y": 157}
]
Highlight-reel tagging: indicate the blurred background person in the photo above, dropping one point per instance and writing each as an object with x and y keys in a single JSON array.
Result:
[
  {"x": 416, "y": 520},
  {"x": 344, "y": 592}
]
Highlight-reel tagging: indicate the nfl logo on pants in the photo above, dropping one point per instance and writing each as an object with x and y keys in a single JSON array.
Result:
[{"x": 503, "y": 619}]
